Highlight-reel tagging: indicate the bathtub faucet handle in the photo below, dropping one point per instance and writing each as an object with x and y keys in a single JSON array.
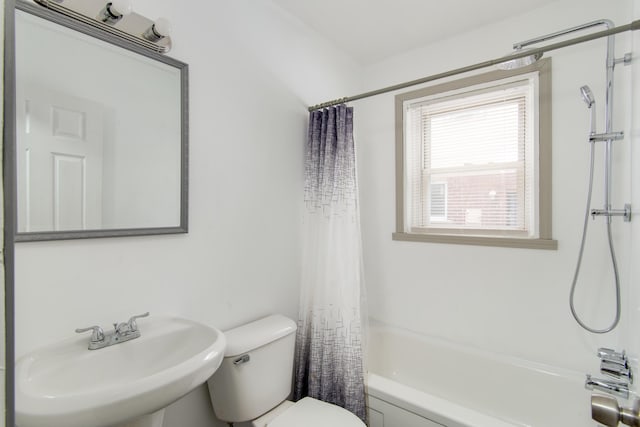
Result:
[
  {"x": 617, "y": 371},
  {"x": 612, "y": 356}
]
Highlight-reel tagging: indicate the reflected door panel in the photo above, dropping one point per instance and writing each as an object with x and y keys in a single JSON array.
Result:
[{"x": 60, "y": 161}]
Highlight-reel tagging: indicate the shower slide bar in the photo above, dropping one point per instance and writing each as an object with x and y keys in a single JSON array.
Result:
[
  {"x": 632, "y": 26},
  {"x": 608, "y": 213}
]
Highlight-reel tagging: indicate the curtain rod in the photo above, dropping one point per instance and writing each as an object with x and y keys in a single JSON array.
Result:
[{"x": 635, "y": 25}]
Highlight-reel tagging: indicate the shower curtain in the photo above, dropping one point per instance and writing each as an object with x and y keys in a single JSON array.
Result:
[{"x": 329, "y": 341}]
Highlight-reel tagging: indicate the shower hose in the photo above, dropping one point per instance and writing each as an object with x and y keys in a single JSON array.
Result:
[{"x": 613, "y": 259}]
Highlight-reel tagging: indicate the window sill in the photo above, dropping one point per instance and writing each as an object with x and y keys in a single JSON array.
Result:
[{"x": 504, "y": 242}]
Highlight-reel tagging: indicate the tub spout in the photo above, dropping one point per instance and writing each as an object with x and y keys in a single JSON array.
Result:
[{"x": 606, "y": 411}]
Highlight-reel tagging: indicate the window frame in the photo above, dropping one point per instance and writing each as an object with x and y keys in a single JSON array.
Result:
[{"x": 543, "y": 214}]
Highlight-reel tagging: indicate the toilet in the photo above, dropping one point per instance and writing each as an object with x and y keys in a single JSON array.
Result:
[{"x": 255, "y": 378}]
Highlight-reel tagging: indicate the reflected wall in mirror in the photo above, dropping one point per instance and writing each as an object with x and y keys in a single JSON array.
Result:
[{"x": 101, "y": 139}]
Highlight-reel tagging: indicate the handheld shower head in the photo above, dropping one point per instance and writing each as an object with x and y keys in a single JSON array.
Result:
[{"x": 587, "y": 96}]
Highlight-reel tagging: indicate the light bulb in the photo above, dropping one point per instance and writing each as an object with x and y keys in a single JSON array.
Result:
[
  {"x": 162, "y": 27},
  {"x": 121, "y": 7}
]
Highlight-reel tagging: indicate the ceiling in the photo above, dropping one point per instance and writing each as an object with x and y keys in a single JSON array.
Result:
[{"x": 372, "y": 30}]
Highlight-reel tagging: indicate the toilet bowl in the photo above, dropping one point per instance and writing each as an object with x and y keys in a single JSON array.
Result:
[
  {"x": 254, "y": 381},
  {"x": 308, "y": 412}
]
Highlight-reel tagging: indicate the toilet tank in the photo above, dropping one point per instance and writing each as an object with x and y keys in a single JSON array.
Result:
[{"x": 256, "y": 373}]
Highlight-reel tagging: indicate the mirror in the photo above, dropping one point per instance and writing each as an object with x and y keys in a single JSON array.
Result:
[{"x": 101, "y": 132}]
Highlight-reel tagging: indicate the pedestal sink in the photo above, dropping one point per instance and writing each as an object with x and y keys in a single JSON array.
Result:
[{"x": 67, "y": 385}]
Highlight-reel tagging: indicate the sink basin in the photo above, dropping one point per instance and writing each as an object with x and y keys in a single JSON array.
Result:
[{"x": 67, "y": 385}]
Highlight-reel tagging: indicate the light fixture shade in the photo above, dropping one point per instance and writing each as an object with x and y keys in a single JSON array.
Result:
[
  {"x": 121, "y": 7},
  {"x": 162, "y": 27}
]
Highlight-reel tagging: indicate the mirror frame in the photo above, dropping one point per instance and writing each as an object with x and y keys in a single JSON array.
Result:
[
  {"x": 10, "y": 114},
  {"x": 9, "y": 211}
]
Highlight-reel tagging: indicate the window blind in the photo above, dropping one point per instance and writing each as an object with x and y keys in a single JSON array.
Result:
[{"x": 470, "y": 160}]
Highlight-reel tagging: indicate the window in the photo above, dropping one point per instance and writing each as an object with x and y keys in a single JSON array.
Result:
[{"x": 474, "y": 160}]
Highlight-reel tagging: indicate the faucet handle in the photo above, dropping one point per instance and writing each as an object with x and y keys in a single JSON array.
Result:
[
  {"x": 612, "y": 356},
  {"x": 616, "y": 370},
  {"x": 96, "y": 336},
  {"x": 133, "y": 326},
  {"x": 609, "y": 352}
]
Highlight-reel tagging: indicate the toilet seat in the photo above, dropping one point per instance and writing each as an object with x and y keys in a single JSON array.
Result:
[{"x": 311, "y": 412}]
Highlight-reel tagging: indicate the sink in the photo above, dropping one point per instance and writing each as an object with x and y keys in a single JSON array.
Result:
[{"x": 67, "y": 385}]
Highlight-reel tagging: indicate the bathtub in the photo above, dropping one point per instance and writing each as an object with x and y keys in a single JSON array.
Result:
[{"x": 414, "y": 381}]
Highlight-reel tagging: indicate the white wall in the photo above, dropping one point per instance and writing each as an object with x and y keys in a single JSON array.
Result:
[
  {"x": 633, "y": 304},
  {"x": 511, "y": 301},
  {"x": 253, "y": 71},
  {"x": 2, "y": 314}
]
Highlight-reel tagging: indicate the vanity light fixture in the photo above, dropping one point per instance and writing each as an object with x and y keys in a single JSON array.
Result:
[{"x": 116, "y": 17}]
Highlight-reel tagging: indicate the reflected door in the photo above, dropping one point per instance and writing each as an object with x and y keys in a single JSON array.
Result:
[{"x": 59, "y": 163}]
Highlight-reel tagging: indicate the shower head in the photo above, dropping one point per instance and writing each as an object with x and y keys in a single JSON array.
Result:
[
  {"x": 520, "y": 62},
  {"x": 587, "y": 96}
]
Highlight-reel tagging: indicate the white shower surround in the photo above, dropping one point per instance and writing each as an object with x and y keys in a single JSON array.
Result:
[
  {"x": 512, "y": 302},
  {"x": 416, "y": 381}
]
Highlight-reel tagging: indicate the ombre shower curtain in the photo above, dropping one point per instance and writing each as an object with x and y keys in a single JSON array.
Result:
[{"x": 329, "y": 341}]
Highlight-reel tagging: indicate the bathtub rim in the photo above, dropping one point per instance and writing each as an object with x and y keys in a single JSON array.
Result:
[
  {"x": 540, "y": 367},
  {"x": 423, "y": 404}
]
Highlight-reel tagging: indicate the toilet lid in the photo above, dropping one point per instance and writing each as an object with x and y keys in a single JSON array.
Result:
[{"x": 311, "y": 412}]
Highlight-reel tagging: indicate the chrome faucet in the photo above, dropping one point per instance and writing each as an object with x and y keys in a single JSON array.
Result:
[
  {"x": 124, "y": 331},
  {"x": 605, "y": 409},
  {"x": 617, "y": 388}
]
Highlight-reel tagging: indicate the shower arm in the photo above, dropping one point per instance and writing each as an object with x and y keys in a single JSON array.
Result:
[
  {"x": 608, "y": 102},
  {"x": 606, "y": 22},
  {"x": 610, "y": 58}
]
